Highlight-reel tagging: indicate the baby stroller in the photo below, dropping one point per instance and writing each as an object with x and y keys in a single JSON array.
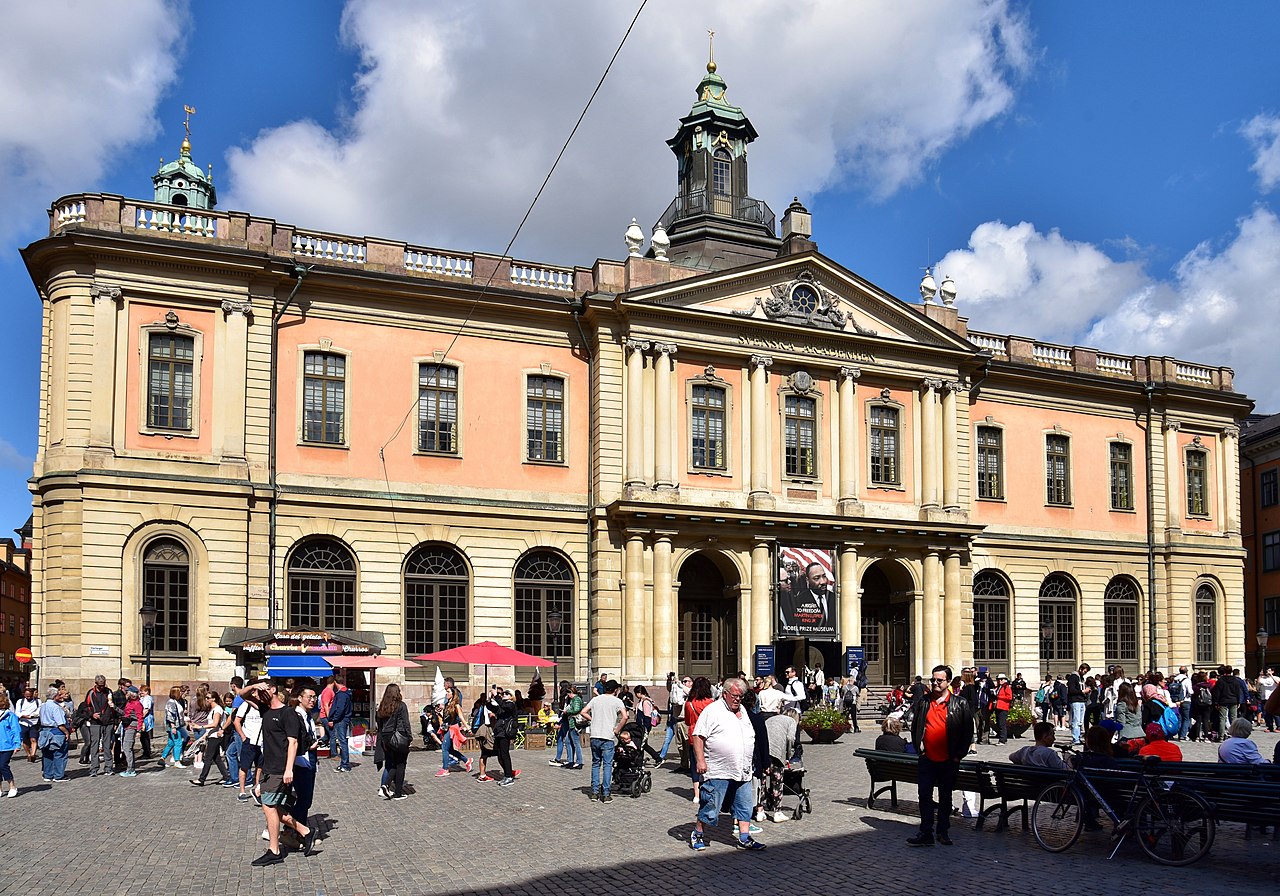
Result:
[
  {"x": 793, "y": 786},
  {"x": 629, "y": 774}
]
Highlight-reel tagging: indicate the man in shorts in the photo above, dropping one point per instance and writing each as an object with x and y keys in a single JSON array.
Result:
[
  {"x": 724, "y": 743},
  {"x": 281, "y": 732},
  {"x": 247, "y": 722}
]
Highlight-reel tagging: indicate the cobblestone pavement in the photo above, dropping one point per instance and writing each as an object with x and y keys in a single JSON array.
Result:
[{"x": 156, "y": 833}]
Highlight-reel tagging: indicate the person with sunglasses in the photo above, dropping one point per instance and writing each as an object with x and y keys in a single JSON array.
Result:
[
  {"x": 942, "y": 731},
  {"x": 724, "y": 741},
  {"x": 678, "y": 693}
]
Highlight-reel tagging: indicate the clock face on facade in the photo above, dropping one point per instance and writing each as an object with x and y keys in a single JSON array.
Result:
[{"x": 804, "y": 299}]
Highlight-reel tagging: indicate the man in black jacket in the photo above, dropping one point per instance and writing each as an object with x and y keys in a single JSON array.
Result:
[
  {"x": 942, "y": 730},
  {"x": 1076, "y": 701},
  {"x": 1227, "y": 698}
]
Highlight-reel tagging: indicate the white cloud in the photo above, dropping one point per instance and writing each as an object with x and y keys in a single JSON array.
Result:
[
  {"x": 78, "y": 82},
  {"x": 13, "y": 459},
  {"x": 1263, "y": 133},
  {"x": 1206, "y": 310},
  {"x": 460, "y": 108}
]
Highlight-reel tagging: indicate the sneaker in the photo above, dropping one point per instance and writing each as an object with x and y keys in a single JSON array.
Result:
[
  {"x": 944, "y": 839},
  {"x": 593, "y": 795},
  {"x": 47, "y": 780},
  {"x": 242, "y": 797},
  {"x": 384, "y": 792},
  {"x": 781, "y": 816},
  {"x": 129, "y": 774},
  {"x": 555, "y": 762},
  {"x": 696, "y": 842},
  {"x": 12, "y": 794},
  {"x": 223, "y": 784},
  {"x": 402, "y": 796},
  {"x": 342, "y": 769},
  {"x": 442, "y": 773},
  {"x": 507, "y": 782},
  {"x": 267, "y": 858},
  {"x": 920, "y": 840},
  {"x": 196, "y": 782},
  {"x": 760, "y": 814},
  {"x": 606, "y": 797},
  {"x": 309, "y": 842},
  {"x": 515, "y": 773},
  {"x": 266, "y": 835},
  {"x": 484, "y": 777},
  {"x": 748, "y": 843},
  {"x": 754, "y": 828},
  {"x": 257, "y": 798},
  {"x": 468, "y": 765}
]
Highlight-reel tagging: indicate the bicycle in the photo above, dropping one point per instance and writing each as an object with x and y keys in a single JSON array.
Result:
[{"x": 1174, "y": 826}]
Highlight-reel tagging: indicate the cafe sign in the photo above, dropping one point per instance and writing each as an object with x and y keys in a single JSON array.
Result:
[{"x": 306, "y": 642}]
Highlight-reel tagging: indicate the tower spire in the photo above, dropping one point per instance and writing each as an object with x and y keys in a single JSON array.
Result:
[
  {"x": 711, "y": 51},
  {"x": 186, "y": 126}
]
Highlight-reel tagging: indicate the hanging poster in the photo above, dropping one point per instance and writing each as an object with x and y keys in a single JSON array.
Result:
[{"x": 806, "y": 594}]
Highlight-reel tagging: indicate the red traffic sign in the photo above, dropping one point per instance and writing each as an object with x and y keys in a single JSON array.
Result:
[{"x": 23, "y": 655}]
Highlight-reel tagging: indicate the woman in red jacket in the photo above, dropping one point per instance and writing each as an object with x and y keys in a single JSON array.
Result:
[
  {"x": 699, "y": 699},
  {"x": 1002, "y": 702}
]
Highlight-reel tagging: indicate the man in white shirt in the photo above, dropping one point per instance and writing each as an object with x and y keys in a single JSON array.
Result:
[
  {"x": 606, "y": 715},
  {"x": 1267, "y": 683},
  {"x": 793, "y": 695},
  {"x": 28, "y": 711},
  {"x": 675, "y": 716},
  {"x": 770, "y": 698},
  {"x": 724, "y": 742}
]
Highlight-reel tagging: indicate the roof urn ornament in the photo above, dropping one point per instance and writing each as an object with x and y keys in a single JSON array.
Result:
[
  {"x": 928, "y": 287},
  {"x": 660, "y": 242},
  {"x": 948, "y": 291},
  {"x": 635, "y": 239}
]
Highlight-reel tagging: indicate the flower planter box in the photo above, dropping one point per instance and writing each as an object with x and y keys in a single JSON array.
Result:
[
  {"x": 535, "y": 741},
  {"x": 825, "y": 735}
]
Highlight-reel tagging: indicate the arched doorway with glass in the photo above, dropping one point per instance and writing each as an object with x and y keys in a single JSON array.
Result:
[
  {"x": 887, "y": 595},
  {"x": 707, "y": 617}
]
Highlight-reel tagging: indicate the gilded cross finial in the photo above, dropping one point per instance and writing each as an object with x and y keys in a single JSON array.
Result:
[
  {"x": 186, "y": 126},
  {"x": 711, "y": 51}
]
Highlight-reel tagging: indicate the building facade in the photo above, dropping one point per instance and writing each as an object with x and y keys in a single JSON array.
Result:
[
  {"x": 1260, "y": 489},
  {"x": 723, "y": 442},
  {"x": 15, "y": 611}
]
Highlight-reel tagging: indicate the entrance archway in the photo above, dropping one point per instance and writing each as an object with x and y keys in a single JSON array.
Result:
[
  {"x": 707, "y": 618},
  {"x": 887, "y": 595}
]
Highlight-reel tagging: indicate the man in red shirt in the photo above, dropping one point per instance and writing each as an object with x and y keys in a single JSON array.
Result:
[
  {"x": 942, "y": 730},
  {"x": 1158, "y": 745},
  {"x": 326, "y": 700},
  {"x": 1003, "y": 700}
]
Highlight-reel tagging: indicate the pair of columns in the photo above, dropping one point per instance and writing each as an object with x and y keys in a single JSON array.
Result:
[
  {"x": 939, "y": 457},
  {"x": 939, "y": 628},
  {"x": 649, "y": 639},
  {"x": 651, "y": 422}
]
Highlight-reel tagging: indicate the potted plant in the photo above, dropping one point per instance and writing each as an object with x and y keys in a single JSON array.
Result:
[
  {"x": 824, "y": 725},
  {"x": 1019, "y": 720}
]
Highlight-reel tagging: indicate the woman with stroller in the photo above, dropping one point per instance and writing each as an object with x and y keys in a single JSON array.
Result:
[{"x": 647, "y": 717}]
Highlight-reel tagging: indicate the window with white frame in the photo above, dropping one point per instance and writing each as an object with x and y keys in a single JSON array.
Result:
[
  {"x": 1206, "y": 625},
  {"x": 1121, "y": 476},
  {"x": 437, "y": 410},
  {"x": 990, "y": 457},
  {"x": 1197, "y": 484},
  {"x": 884, "y": 449},
  {"x": 544, "y": 418},
  {"x": 324, "y": 397},
  {"x": 1057, "y": 462},
  {"x": 801, "y": 435},
  {"x": 707, "y": 419},
  {"x": 170, "y": 380}
]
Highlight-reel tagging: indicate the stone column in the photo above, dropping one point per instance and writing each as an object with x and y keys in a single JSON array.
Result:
[
  {"x": 635, "y": 411},
  {"x": 929, "y": 448},
  {"x": 848, "y": 437},
  {"x": 664, "y": 609},
  {"x": 1172, "y": 476},
  {"x": 953, "y": 640},
  {"x": 950, "y": 442},
  {"x": 106, "y": 312},
  {"x": 633, "y": 609},
  {"x": 761, "y": 589},
  {"x": 1230, "y": 466},
  {"x": 850, "y": 597},
  {"x": 663, "y": 360},
  {"x": 931, "y": 612},
  {"x": 760, "y": 498},
  {"x": 230, "y": 368}
]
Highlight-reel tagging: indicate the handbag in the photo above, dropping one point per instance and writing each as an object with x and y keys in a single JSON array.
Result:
[
  {"x": 455, "y": 731},
  {"x": 392, "y": 735}
]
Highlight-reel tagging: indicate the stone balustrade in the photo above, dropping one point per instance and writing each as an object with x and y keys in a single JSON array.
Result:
[{"x": 526, "y": 274}]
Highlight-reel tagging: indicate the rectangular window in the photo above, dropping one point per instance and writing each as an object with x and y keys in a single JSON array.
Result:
[
  {"x": 324, "y": 397},
  {"x": 1270, "y": 488},
  {"x": 170, "y": 380},
  {"x": 22, "y": 628},
  {"x": 1057, "y": 461},
  {"x": 884, "y": 446},
  {"x": 990, "y": 462},
  {"x": 1271, "y": 614},
  {"x": 1270, "y": 552},
  {"x": 721, "y": 177},
  {"x": 1121, "y": 476},
  {"x": 1205, "y": 627},
  {"x": 801, "y": 436},
  {"x": 1197, "y": 485},
  {"x": 544, "y": 418},
  {"x": 437, "y": 409},
  {"x": 707, "y": 428},
  {"x": 990, "y": 630},
  {"x": 1120, "y": 632}
]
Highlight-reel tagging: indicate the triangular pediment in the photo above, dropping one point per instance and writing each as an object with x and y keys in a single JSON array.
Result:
[{"x": 808, "y": 291}]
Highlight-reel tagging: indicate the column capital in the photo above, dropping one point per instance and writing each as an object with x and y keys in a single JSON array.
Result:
[
  {"x": 1171, "y": 425},
  {"x": 762, "y": 361},
  {"x": 636, "y": 345},
  {"x": 231, "y": 306},
  {"x": 665, "y": 348},
  {"x": 932, "y": 385},
  {"x": 850, "y": 373},
  {"x": 956, "y": 386},
  {"x": 105, "y": 291},
  {"x": 1231, "y": 432}
]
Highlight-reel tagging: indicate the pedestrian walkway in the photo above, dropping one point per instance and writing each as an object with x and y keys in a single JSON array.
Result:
[{"x": 459, "y": 836}]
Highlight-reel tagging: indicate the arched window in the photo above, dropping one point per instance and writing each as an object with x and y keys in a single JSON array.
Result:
[
  {"x": 1120, "y": 623},
  {"x": 722, "y": 183},
  {"x": 544, "y": 584},
  {"x": 1206, "y": 625},
  {"x": 990, "y": 619},
  {"x": 166, "y": 586},
  {"x": 435, "y": 600},
  {"x": 1057, "y": 623},
  {"x": 322, "y": 586}
]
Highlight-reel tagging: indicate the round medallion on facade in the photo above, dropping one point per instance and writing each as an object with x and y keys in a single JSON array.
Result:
[{"x": 804, "y": 299}]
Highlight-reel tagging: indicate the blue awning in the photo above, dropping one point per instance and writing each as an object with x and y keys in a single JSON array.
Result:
[{"x": 301, "y": 666}]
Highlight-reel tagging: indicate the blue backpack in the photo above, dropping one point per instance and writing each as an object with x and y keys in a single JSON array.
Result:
[{"x": 1170, "y": 719}]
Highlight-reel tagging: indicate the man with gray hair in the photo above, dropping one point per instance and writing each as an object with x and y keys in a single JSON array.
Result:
[
  {"x": 1239, "y": 747},
  {"x": 102, "y": 727},
  {"x": 724, "y": 742}
]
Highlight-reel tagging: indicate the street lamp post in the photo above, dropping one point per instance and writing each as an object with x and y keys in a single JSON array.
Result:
[
  {"x": 1262, "y": 637},
  {"x": 1046, "y": 644},
  {"x": 148, "y": 615},
  {"x": 554, "y": 621}
]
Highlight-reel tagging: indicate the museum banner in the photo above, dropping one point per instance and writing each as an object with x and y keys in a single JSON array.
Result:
[{"x": 806, "y": 594}]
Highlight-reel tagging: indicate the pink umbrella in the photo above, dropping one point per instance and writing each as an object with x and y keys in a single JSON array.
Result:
[{"x": 485, "y": 653}]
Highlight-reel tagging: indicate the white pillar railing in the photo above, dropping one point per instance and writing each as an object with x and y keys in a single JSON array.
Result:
[
  {"x": 164, "y": 220},
  {"x": 69, "y": 213},
  {"x": 328, "y": 248},
  {"x": 429, "y": 261},
  {"x": 524, "y": 274}
]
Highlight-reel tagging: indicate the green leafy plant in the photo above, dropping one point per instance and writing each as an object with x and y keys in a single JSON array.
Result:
[
  {"x": 1020, "y": 714},
  {"x": 824, "y": 718}
]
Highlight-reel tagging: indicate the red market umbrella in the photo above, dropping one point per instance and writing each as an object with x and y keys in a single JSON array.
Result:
[{"x": 484, "y": 653}]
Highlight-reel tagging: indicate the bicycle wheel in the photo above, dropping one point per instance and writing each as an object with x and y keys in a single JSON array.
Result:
[
  {"x": 1057, "y": 817},
  {"x": 1174, "y": 827}
]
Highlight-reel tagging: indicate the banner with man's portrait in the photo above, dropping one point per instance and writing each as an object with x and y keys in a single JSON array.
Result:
[{"x": 806, "y": 593}]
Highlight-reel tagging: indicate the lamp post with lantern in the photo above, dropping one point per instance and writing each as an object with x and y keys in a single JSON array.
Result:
[
  {"x": 554, "y": 621},
  {"x": 148, "y": 615},
  {"x": 1046, "y": 645},
  {"x": 1262, "y": 636}
]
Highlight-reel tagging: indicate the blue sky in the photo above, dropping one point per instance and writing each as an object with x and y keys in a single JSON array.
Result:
[{"x": 1091, "y": 173}]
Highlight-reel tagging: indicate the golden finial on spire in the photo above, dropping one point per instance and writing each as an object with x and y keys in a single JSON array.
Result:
[
  {"x": 186, "y": 126},
  {"x": 711, "y": 51}
]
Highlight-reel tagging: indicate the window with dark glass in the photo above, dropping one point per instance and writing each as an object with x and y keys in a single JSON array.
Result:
[
  {"x": 166, "y": 586},
  {"x": 1206, "y": 625},
  {"x": 543, "y": 584},
  {"x": 990, "y": 619},
  {"x": 322, "y": 586},
  {"x": 324, "y": 397},
  {"x": 884, "y": 447},
  {"x": 801, "y": 429},
  {"x": 1120, "y": 623},
  {"x": 707, "y": 427},
  {"x": 1057, "y": 621},
  {"x": 1269, "y": 488},
  {"x": 1270, "y": 551},
  {"x": 1197, "y": 485},
  {"x": 170, "y": 380},
  {"x": 1271, "y": 614},
  {"x": 1057, "y": 460},
  {"x": 544, "y": 418},
  {"x": 1121, "y": 476},
  {"x": 435, "y": 600},
  {"x": 990, "y": 450},
  {"x": 437, "y": 409}
]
